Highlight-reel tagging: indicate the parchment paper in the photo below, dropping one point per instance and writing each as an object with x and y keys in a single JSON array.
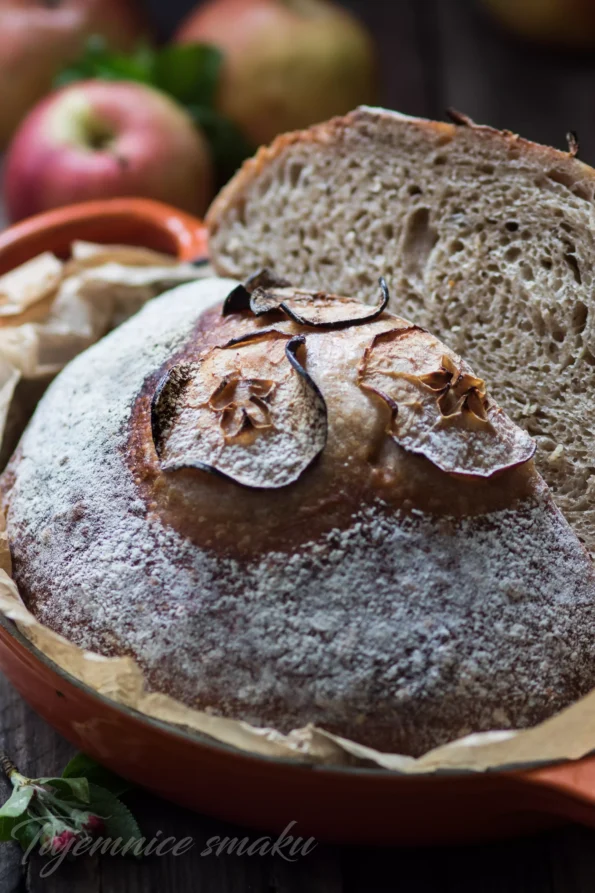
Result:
[{"x": 51, "y": 310}]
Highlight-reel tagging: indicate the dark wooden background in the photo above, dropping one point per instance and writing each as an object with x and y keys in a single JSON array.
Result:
[
  {"x": 433, "y": 54},
  {"x": 440, "y": 53}
]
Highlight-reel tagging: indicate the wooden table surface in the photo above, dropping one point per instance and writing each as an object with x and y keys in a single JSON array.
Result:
[{"x": 433, "y": 54}]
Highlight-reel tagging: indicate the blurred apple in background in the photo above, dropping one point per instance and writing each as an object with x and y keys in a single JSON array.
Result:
[
  {"x": 287, "y": 63},
  {"x": 38, "y": 37},
  {"x": 98, "y": 139},
  {"x": 569, "y": 23}
]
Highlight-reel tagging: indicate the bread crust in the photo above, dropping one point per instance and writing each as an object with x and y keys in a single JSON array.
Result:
[
  {"x": 377, "y": 596},
  {"x": 348, "y": 476},
  {"x": 330, "y": 131}
]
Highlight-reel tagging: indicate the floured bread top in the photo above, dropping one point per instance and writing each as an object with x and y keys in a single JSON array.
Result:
[
  {"x": 331, "y": 407},
  {"x": 290, "y": 508}
]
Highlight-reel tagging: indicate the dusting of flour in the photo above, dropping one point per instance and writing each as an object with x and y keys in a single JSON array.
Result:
[{"x": 410, "y": 628}]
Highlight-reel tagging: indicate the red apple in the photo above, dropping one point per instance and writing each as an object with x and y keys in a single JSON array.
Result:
[
  {"x": 569, "y": 23},
  {"x": 287, "y": 63},
  {"x": 38, "y": 37},
  {"x": 99, "y": 139}
]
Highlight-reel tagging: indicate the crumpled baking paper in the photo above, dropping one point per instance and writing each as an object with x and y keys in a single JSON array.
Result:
[{"x": 51, "y": 310}]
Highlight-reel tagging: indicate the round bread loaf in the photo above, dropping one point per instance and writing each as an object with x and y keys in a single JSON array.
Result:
[{"x": 290, "y": 508}]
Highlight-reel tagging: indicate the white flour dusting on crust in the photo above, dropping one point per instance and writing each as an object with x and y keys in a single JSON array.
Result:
[{"x": 397, "y": 628}]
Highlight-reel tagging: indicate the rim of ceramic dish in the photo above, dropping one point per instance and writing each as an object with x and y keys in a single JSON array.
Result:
[{"x": 202, "y": 738}]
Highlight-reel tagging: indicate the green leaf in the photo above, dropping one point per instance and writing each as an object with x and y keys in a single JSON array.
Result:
[
  {"x": 14, "y": 809},
  {"x": 139, "y": 66},
  {"x": 83, "y": 766},
  {"x": 26, "y": 832},
  {"x": 71, "y": 787},
  {"x": 188, "y": 72},
  {"x": 98, "y": 61},
  {"x": 18, "y": 802},
  {"x": 93, "y": 55},
  {"x": 228, "y": 145},
  {"x": 119, "y": 821}
]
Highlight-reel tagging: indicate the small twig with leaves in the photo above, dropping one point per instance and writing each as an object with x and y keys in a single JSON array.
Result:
[{"x": 56, "y": 813}]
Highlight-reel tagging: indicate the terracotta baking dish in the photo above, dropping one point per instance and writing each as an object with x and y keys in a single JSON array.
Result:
[{"x": 343, "y": 805}]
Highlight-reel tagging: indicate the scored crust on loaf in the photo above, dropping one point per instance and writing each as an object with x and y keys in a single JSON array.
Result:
[
  {"x": 485, "y": 238},
  {"x": 377, "y": 596}
]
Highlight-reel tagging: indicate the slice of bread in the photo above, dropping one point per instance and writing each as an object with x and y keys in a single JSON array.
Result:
[{"x": 485, "y": 238}]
